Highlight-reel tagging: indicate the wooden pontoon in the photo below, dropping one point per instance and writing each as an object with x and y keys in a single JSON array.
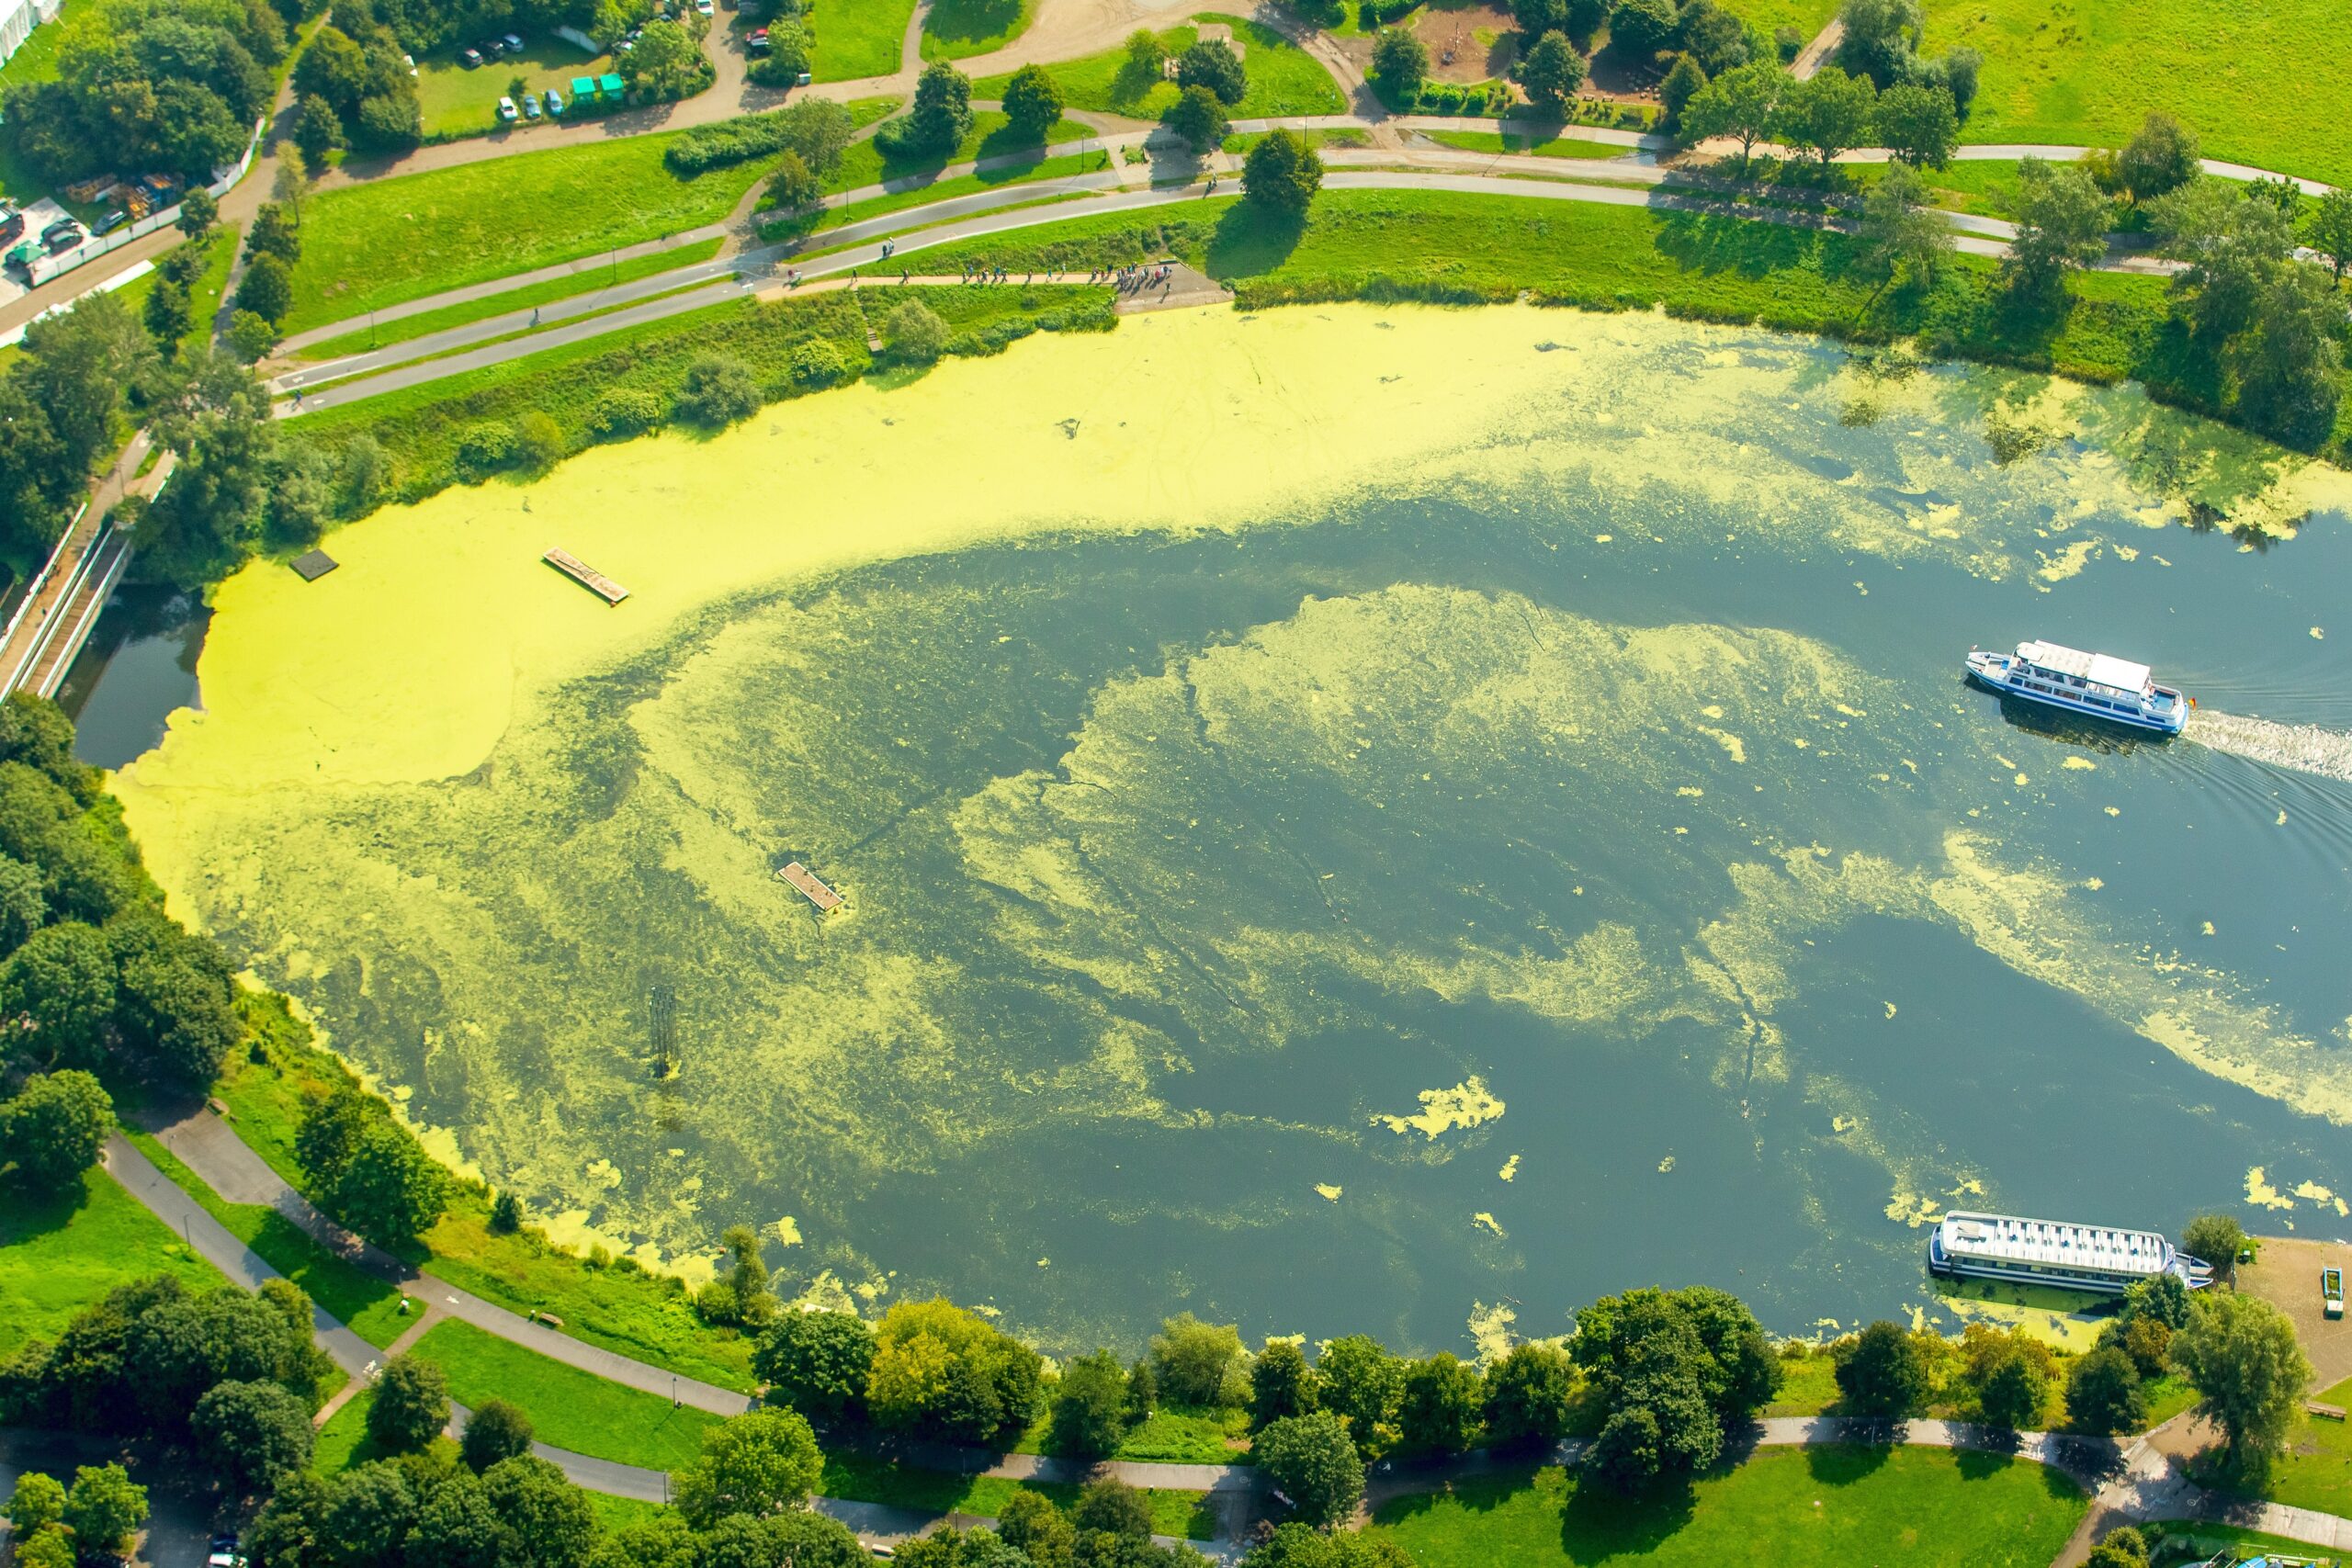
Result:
[
  {"x": 588, "y": 577},
  {"x": 810, "y": 886}
]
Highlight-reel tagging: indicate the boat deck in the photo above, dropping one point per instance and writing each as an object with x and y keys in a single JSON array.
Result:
[{"x": 587, "y": 575}]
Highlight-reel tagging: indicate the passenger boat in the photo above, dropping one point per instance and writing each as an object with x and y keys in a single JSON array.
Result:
[
  {"x": 2092, "y": 683},
  {"x": 2098, "y": 1259}
]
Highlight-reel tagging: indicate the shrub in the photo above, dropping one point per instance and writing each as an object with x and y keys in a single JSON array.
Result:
[
  {"x": 505, "y": 1213},
  {"x": 1090, "y": 1408},
  {"x": 1194, "y": 1358},
  {"x": 2216, "y": 1238},
  {"x": 914, "y": 332},
  {"x": 618, "y": 414},
  {"x": 1880, "y": 1372},
  {"x": 818, "y": 362},
  {"x": 496, "y": 1431},
  {"x": 716, "y": 392},
  {"x": 1316, "y": 1465},
  {"x": 1788, "y": 43},
  {"x": 1212, "y": 64},
  {"x": 411, "y": 1407},
  {"x": 486, "y": 447},
  {"x": 539, "y": 442}
]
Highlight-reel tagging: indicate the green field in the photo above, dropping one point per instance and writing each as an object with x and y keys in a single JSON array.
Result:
[
  {"x": 447, "y": 316},
  {"x": 1825, "y": 1507},
  {"x": 860, "y": 1478},
  {"x": 569, "y": 1408},
  {"x": 991, "y": 137},
  {"x": 457, "y": 101},
  {"x": 859, "y": 37},
  {"x": 1514, "y": 141},
  {"x": 59, "y": 1253},
  {"x": 2316, "y": 1470},
  {"x": 366, "y": 1305},
  {"x": 343, "y": 1441},
  {"x": 1283, "y": 78},
  {"x": 957, "y": 29},
  {"x": 938, "y": 190},
  {"x": 1170, "y": 1434},
  {"x": 380, "y": 244},
  {"x": 2261, "y": 84}
]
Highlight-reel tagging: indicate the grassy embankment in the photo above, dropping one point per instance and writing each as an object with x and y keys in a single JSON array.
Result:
[
  {"x": 1809, "y": 1387},
  {"x": 861, "y": 39},
  {"x": 1790, "y": 1508},
  {"x": 2315, "y": 1471},
  {"x": 369, "y": 245},
  {"x": 1283, "y": 78},
  {"x": 421, "y": 427},
  {"x": 62, "y": 1252},
  {"x": 441, "y": 319},
  {"x": 1527, "y": 143},
  {"x": 957, "y": 29},
  {"x": 2249, "y": 79}
]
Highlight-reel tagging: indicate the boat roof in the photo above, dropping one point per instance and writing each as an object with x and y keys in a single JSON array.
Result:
[
  {"x": 2098, "y": 667},
  {"x": 2013, "y": 1239}
]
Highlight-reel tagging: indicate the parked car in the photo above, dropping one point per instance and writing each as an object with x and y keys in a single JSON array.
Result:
[
  {"x": 514, "y": 43},
  {"x": 491, "y": 47},
  {"x": 506, "y": 111},
  {"x": 63, "y": 234},
  {"x": 12, "y": 223},
  {"x": 554, "y": 101},
  {"x": 224, "y": 1552},
  {"x": 470, "y": 57},
  {"x": 111, "y": 222},
  {"x": 704, "y": 6},
  {"x": 530, "y": 105},
  {"x": 757, "y": 41}
]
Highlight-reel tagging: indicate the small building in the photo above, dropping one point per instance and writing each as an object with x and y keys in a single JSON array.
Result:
[
  {"x": 611, "y": 88},
  {"x": 584, "y": 91}
]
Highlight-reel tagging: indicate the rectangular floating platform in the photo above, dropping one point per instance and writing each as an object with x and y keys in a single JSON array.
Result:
[
  {"x": 810, "y": 886},
  {"x": 588, "y": 577},
  {"x": 315, "y": 565}
]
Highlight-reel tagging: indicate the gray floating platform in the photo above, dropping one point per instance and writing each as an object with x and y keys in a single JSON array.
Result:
[{"x": 315, "y": 565}]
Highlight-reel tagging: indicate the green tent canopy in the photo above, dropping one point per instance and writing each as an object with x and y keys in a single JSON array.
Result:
[
  {"x": 611, "y": 87},
  {"x": 583, "y": 89}
]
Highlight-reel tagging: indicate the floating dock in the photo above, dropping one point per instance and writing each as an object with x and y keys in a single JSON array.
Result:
[
  {"x": 810, "y": 886},
  {"x": 588, "y": 577}
]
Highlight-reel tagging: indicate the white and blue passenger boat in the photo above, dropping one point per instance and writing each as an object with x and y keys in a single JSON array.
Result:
[
  {"x": 2098, "y": 1259},
  {"x": 2091, "y": 684}
]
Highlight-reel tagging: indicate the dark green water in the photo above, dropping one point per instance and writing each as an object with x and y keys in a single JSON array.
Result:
[{"x": 1175, "y": 866}]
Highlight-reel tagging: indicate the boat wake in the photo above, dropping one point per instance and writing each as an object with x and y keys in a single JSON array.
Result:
[{"x": 2307, "y": 748}]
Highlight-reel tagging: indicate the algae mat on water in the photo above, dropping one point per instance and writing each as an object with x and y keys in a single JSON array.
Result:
[{"x": 1350, "y": 819}]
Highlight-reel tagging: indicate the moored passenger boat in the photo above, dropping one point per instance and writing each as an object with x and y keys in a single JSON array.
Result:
[
  {"x": 2098, "y": 1259},
  {"x": 2091, "y": 684}
]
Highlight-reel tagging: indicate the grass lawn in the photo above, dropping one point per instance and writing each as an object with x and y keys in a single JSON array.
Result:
[
  {"x": 459, "y": 101},
  {"x": 620, "y": 1513},
  {"x": 204, "y": 298},
  {"x": 569, "y": 1408},
  {"x": 344, "y": 1442},
  {"x": 2249, "y": 79},
  {"x": 1179, "y": 1435},
  {"x": 447, "y": 316},
  {"x": 1515, "y": 141},
  {"x": 861, "y": 1478},
  {"x": 938, "y": 190},
  {"x": 400, "y": 239},
  {"x": 36, "y": 59},
  {"x": 60, "y": 1252},
  {"x": 1808, "y": 16},
  {"x": 637, "y": 1315},
  {"x": 2316, "y": 1470},
  {"x": 957, "y": 29},
  {"x": 1283, "y": 78},
  {"x": 1787, "y": 1507},
  {"x": 365, "y": 1304},
  {"x": 1808, "y": 1387},
  {"x": 991, "y": 137},
  {"x": 859, "y": 37},
  {"x": 1242, "y": 142}
]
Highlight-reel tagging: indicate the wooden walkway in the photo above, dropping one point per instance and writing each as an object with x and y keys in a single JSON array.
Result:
[
  {"x": 811, "y": 887},
  {"x": 587, "y": 575},
  {"x": 42, "y": 641}
]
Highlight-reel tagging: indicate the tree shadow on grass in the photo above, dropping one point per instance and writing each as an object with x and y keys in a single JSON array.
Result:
[
  {"x": 1599, "y": 1524},
  {"x": 1845, "y": 1465},
  {"x": 955, "y": 22},
  {"x": 1474, "y": 1494},
  {"x": 1251, "y": 241},
  {"x": 1712, "y": 243}
]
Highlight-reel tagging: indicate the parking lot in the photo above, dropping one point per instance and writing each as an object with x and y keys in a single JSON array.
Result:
[{"x": 459, "y": 100}]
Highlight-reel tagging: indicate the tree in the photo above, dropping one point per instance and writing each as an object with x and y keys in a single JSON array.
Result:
[
  {"x": 1294, "y": 1545},
  {"x": 1143, "y": 1390},
  {"x": 2329, "y": 231},
  {"x": 494, "y": 1432},
  {"x": 390, "y": 122},
  {"x": 1712, "y": 36},
  {"x": 1683, "y": 79},
  {"x": 717, "y": 392},
  {"x": 1827, "y": 113},
  {"x": 52, "y": 1130},
  {"x": 1552, "y": 70},
  {"x": 104, "y": 1509},
  {"x": 61, "y": 986},
  {"x": 544, "y": 1521},
  {"x": 2012, "y": 1395},
  {"x": 250, "y": 337},
  {"x": 1627, "y": 1454},
  {"x": 1899, "y": 231},
  {"x": 1313, "y": 1461},
  {"x": 795, "y": 186},
  {"x": 1146, "y": 63},
  {"x": 1029, "y": 1523},
  {"x": 318, "y": 131},
  {"x": 166, "y": 315},
  {"x": 266, "y": 289},
  {"x": 1357, "y": 1378},
  {"x": 2160, "y": 157},
  {"x": 1879, "y": 1373},
  {"x": 38, "y": 1503},
  {"x": 1281, "y": 175},
  {"x": 941, "y": 115},
  {"x": 1437, "y": 1412},
  {"x": 275, "y": 233},
  {"x": 1744, "y": 103},
  {"x": 817, "y": 1361},
  {"x": 253, "y": 1433},
  {"x": 1033, "y": 102},
  {"x": 1212, "y": 64},
  {"x": 411, "y": 1407},
  {"x": 1638, "y": 30},
  {"x": 1192, "y": 1358},
  {"x": 2061, "y": 225},
  {"x": 2289, "y": 367},
  {"x": 762, "y": 1462},
  {"x": 746, "y": 1276},
  {"x": 291, "y": 181},
  {"x": 2104, "y": 1394},
  {"x": 1281, "y": 1384},
  {"x": 1401, "y": 61},
  {"x": 1918, "y": 125},
  {"x": 1112, "y": 1506},
  {"x": 199, "y": 212},
  {"x": 664, "y": 65},
  {"x": 2233, "y": 243},
  {"x": 1527, "y": 1395},
  {"x": 1198, "y": 116},
  {"x": 940, "y": 1370},
  {"x": 1878, "y": 38},
  {"x": 51, "y": 1546},
  {"x": 1090, "y": 1407},
  {"x": 2239, "y": 1353},
  {"x": 389, "y": 1190},
  {"x": 2217, "y": 1239}
]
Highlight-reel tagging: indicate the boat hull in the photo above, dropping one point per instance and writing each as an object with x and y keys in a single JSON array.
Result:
[{"x": 1991, "y": 671}]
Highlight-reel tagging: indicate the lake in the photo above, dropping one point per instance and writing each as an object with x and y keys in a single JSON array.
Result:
[{"x": 1350, "y": 819}]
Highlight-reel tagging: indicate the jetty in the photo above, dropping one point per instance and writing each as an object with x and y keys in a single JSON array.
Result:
[
  {"x": 587, "y": 575},
  {"x": 811, "y": 887}
]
